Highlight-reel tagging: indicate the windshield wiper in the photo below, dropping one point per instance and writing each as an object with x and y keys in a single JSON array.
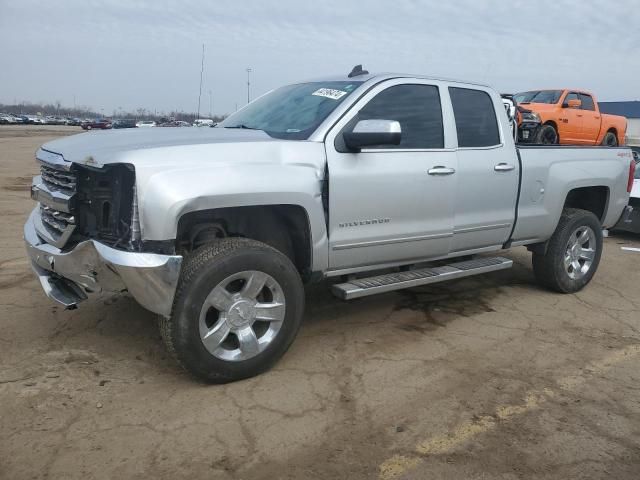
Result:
[{"x": 243, "y": 126}]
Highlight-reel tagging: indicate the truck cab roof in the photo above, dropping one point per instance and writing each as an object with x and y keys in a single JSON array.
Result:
[{"x": 378, "y": 77}]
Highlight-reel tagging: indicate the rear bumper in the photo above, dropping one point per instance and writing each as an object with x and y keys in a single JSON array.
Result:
[
  {"x": 67, "y": 276},
  {"x": 629, "y": 221}
]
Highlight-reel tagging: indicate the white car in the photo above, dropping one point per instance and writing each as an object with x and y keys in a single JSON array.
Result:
[
  {"x": 203, "y": 122},
  {"x": 630, "y": 220},
  {"x": 145, "y": 124}
]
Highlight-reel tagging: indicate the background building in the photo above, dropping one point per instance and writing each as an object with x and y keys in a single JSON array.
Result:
[{"x": 631, "y": 110}]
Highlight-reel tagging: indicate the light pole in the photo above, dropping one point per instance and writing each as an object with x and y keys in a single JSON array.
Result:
[
  {"x": 248, "y": 85},
  {"x": 200, "y": 91}
]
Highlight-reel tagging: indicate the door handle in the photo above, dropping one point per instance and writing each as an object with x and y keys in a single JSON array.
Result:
[
  {"x": 503, "y": 167},
  {"x": 440, "y": 170}
]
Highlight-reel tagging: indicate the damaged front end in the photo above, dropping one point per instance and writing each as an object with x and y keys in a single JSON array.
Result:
[{"x": 84, "y": 236}]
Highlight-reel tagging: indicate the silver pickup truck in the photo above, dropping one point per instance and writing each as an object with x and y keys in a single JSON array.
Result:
[{"x": 380, "y": 182}]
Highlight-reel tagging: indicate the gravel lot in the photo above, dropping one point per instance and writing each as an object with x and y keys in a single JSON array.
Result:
[{"x": 490, "y": 377}]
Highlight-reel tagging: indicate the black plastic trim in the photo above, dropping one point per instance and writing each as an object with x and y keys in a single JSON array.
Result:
[
  {"x": 623, "y": 147},
  {"x": 507, "y": 244}
]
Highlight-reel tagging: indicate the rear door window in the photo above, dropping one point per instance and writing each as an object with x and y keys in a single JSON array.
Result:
[
  {"x": 587, "y": 102},
  {"x": 476, "y": 121}
]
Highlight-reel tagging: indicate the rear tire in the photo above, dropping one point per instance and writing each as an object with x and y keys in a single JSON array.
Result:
[
  {"x": 610, "y": 140},
  {"x": 547, "y": 135},
  {"x": 237, "y": 309},
  {"x": 573, "y": 252}
]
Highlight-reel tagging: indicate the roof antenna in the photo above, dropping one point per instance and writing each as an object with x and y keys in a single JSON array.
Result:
[{"x": 357, "y": 70}]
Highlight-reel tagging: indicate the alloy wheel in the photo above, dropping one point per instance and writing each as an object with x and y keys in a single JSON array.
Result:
[
  {"x": 242, "y": 315},
  {"x": 580, "y": 252}
]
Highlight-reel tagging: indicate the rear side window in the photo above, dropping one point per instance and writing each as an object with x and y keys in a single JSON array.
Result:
[
  {"x": 416, "y": 107},
  {"x": 587, "y": 102},
  {"x": 475, "y": 116}
]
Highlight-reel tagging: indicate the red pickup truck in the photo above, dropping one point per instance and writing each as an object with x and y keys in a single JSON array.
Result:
[
  {"x": 99, "y": 123},
  {"x": 571, "y": 117}
]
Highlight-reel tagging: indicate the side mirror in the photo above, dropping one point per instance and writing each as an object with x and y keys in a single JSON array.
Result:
[
  {"x": 573, "y": 103},
  {"x": 373, "y": 132}
]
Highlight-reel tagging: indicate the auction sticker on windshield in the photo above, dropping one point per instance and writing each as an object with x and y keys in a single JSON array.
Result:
[{"x": 329, "y": 93}]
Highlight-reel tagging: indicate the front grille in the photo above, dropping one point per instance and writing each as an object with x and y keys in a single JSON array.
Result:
[
  {"x": 55, "y": 179},
  {"x": 79, "y": 203},
  {"x": 62, "y": 185},
  {"x": 55, "y": 221}
]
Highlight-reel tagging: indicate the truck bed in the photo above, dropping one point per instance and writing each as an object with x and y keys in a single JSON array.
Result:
[{"x": 549, "y": 172}]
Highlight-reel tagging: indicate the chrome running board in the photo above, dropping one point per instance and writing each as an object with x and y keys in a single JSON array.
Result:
[{"x": 362, "y": 287}]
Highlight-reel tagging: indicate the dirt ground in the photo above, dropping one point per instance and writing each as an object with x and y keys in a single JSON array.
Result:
[{"x": 486, "y": 378}]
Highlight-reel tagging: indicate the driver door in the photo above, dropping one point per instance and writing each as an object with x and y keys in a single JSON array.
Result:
[{"x": 393, "y": 203}]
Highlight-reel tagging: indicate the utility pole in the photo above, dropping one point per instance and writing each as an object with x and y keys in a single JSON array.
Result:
[
  {"x": 248, "y": 85},
  {"x": 200, "y": 92}
]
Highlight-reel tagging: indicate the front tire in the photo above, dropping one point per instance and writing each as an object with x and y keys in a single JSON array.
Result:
[
  {"x": 610, "y": 140},
  {"x": 573, "y": 253},
  {"x": 547, "y": 135},
  {"x": 237, "y": 309}
]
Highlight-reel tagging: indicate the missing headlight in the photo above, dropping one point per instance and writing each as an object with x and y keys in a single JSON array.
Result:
[{"x": 105, "y": 205}]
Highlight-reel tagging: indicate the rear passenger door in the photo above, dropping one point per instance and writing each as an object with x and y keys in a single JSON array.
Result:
[{"x": 488, "y": 172}]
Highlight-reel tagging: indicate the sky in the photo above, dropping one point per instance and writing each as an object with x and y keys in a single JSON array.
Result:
[{"x": 130, "y": 54}]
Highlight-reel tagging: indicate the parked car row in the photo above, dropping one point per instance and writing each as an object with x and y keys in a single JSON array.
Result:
[
  {"x": 105, "y": 123},
  {"x": 98, "y": 123},
  {"x": 12, "y": 118}
]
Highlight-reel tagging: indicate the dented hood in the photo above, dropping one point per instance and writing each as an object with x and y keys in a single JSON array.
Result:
[{"x": 111, "y": 146}]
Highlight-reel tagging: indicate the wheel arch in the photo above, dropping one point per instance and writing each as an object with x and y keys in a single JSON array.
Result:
[
  {"x": 594, "y": 199},
  {"x": 285, "y": 227}
]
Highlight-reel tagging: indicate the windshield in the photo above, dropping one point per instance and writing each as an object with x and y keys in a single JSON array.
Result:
[
  {"x": 292, "y": 112},
  {"x": 539, "y": 96}
]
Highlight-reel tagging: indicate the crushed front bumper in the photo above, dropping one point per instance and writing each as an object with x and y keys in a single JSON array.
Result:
[
  {"x": 527, "y": 132},
  {"x": 67, "y": 276}
]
